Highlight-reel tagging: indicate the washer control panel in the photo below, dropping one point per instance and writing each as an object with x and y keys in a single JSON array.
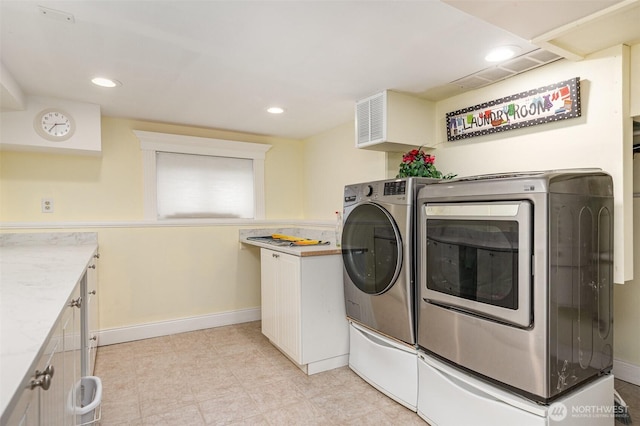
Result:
[
  {"x": 398, "y": 187},
  {"x": 391, "y": 191}
]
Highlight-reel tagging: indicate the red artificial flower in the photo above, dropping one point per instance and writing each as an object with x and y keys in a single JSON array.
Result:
[
  {"x": 408, "y": 158},
  {"x": 417, "y": 163}
]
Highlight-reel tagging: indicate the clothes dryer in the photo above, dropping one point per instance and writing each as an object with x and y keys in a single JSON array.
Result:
[{"x": 379, "y": 284}]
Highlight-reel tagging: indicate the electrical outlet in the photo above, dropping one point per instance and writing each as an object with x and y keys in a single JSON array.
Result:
[{"x": 47, "y": 205}]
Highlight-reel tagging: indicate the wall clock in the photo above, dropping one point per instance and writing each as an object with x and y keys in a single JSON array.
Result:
[{"x": 54, "y": 124}]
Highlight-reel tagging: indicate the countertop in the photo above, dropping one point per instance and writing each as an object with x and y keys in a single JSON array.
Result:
[
  {"x": 302, "y": 251},
  {"x": 38, "y": 273}
]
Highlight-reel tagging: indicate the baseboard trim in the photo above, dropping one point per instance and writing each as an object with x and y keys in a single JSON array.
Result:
[
  {"x": 626, "y": 371},
  {"x": 164, "y": 328}
]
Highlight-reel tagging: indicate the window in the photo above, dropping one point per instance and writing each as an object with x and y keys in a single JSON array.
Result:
[{"x": 189, "y": 177}]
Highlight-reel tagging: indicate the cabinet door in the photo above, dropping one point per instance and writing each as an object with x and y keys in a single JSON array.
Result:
[
  {"x": 90, "y": 324},
  {"x": 73, "y": 348},
  {"x": 53, "y": 401},
  {"x": 27, "y": 410},
  {"x": 280, "y": 290},
  {"x": 288, "y": 306},
  {"x": 61, "y": 399},
  {"x": 269, "y": 277},
  {"x": 27, "y": 414}
]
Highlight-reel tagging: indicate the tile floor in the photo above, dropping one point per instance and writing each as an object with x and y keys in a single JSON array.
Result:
[
  {"x": 233, "y": 375},
  {"x": 631, "y": 395}
]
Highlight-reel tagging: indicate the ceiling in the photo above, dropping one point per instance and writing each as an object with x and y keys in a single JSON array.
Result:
[{"x": 220, "y": 64}]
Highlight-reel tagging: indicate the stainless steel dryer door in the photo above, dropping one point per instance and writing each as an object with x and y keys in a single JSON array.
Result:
[{"x": 371, "y": 248}]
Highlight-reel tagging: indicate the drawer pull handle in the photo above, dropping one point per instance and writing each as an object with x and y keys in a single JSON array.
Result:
[
  {"x": 49, "y": 370},
  {"x": 93, "y": 292},
  {"x": 43, "y": 378},
  {"x": 44, "y": 383},
  {"x": 92, "y": 266},
  {"x": 76, "y": 303}
]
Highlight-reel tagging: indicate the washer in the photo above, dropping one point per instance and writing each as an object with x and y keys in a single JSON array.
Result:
[{"x": 379, "y": 283}]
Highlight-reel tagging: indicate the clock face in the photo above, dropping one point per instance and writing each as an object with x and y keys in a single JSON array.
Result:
[{"x": 54, "y": 124}]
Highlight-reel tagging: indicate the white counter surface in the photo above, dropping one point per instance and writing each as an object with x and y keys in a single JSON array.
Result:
[
  {"x": 38, "y": 273},
  {"x": 302, "y": 251}
]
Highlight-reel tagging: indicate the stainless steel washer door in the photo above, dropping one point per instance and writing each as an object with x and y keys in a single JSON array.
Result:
[{"x": 371, "y": 249}]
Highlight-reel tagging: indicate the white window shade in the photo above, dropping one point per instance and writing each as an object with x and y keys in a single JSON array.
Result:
[
  {"x": 189, "y": 178},
  {"x": 201, "y": 186}
]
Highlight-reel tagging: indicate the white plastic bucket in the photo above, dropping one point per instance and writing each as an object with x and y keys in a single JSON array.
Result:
[{"x": 89, "y": 394}]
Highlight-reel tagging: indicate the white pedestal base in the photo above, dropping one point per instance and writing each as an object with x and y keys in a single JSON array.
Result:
[
  {"x": 389, "y": 366},
  {"x": 448, "y": 396}
]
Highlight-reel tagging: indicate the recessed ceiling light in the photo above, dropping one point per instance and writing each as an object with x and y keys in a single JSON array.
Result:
[
  {"x": 105, "y": 82},
  {"x": 501, "y": 53},
  {"x": 275, "y": 110}
]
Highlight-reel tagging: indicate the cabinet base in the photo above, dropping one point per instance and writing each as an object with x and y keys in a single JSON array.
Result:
[
  {"x": 318, "y": 366},
  {"x": 327, "y": 364}
]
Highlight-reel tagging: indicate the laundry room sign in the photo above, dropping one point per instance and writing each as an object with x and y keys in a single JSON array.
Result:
[{"x": 559, "y": 101}]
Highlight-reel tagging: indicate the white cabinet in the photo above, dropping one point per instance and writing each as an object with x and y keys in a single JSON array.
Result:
[
  {"x": 49, "y": 394},
  {"x": 90, "y": 324},
  {"x": 303, "y": 310},
  {"x": 45, "y": 286}
]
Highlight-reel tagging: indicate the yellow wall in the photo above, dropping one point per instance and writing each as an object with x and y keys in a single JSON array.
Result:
[
  {"x": 331, "y": 162},
  {"x": 83, "y": 188},
  {"x": 147, "y": 273},
  {"x": 109, "y": 188},
  {"x": 157, "y": 274}
]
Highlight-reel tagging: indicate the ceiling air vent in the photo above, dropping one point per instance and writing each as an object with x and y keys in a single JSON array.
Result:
[
  {"x": 543, "y": 56},
  {"x": 472, "y": 82},
  {"x": 493, "y": 74},
  {"x": 490, "y": 75},
  {"x": 520, "y": 64}
]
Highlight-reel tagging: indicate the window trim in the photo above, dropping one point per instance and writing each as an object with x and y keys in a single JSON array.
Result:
[{"x": 152, "y": 142}]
